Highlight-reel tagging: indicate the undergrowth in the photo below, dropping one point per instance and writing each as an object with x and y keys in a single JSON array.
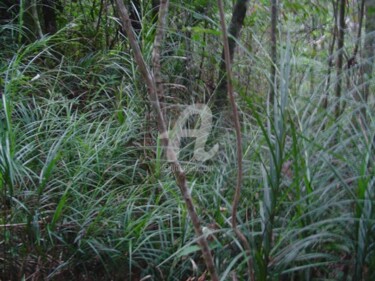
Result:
[{"x": 86, "y": 193}]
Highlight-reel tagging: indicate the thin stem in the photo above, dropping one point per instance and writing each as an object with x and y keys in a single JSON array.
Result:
[
  {"x": 359, "y": 33},
  {"x": 152, "y": 91},
  {"x": 237, "y": 126},
  {"x": 340, "y": 47}
]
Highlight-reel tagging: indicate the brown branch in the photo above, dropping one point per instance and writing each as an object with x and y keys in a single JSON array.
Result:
[
  {"x": 237, "y": 126},
  {"x": 152, "y": 91}
]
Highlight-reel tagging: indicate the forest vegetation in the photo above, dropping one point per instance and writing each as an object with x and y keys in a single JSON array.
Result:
[{"x": 105, "y": 173}]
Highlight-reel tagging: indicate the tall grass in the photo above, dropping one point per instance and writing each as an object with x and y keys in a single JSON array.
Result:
[{"x": 86, "y": 193}]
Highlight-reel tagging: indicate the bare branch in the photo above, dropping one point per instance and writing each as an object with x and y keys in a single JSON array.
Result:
[
  {"x": 153, "y": 94},
  {"x": 237, "y": 126}
]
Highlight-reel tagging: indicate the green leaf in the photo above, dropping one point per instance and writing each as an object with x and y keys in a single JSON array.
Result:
[{"x": 188, "y": 250}]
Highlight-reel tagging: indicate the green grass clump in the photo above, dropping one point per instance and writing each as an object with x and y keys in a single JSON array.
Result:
[{"x": 86, "y": 193}]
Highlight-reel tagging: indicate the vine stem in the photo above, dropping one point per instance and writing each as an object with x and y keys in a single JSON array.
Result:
[
  {"x": 153, "y": 89},
  {"x": 237, "y": 126}
]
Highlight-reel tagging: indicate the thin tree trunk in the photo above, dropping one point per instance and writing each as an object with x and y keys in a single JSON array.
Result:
[
  {"x": 353, "y": 83},
  {"x": 236, "y": 24},
  {"x": 340, "y": 57},
  {"x": 330, "y": 55},
  {"x": 352, "y": 60},
  {"x": 172, "y": 157}
]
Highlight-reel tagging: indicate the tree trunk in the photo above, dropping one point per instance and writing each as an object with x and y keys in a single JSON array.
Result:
[
  {"x": 352, "y": 60},
  {"x": 330, "y": 55},
  {"x": 340, "y": 58},
  {"x": 238, "y": 17}
]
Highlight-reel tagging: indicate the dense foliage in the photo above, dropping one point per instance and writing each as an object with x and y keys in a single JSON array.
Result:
[{"x": 86, "y": 192}]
